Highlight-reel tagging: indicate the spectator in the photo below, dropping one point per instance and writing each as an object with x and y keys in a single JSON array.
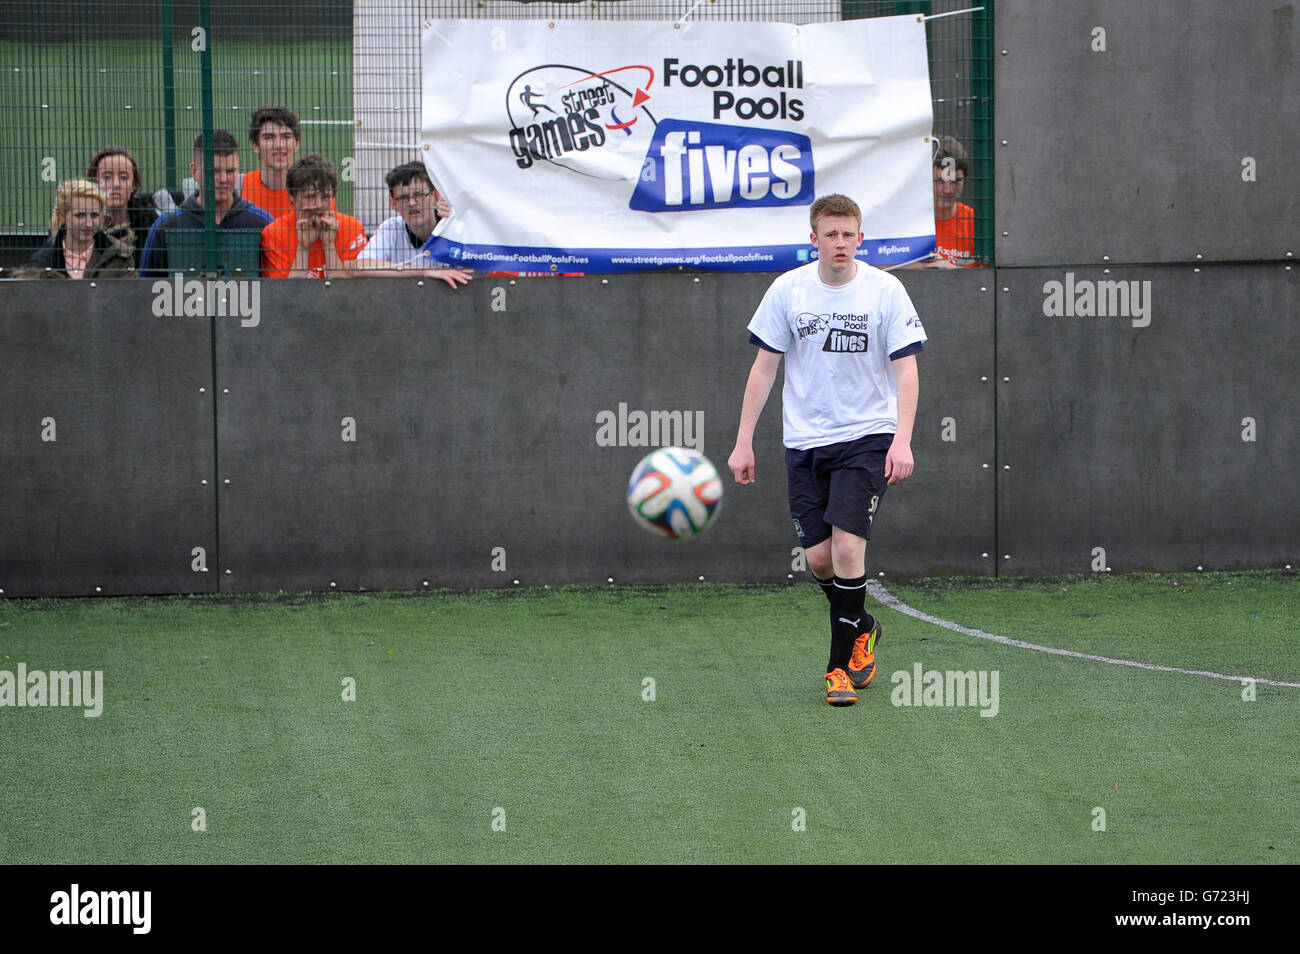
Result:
[
  {"x": 78, "y": 246},
  {"x": 233, "y": 212},
  {"x": 314, "y": 240},
  {"x": 395, "y": 250},
  {"x": 276, "y": 139},
  {"x": 117, "y": 174},
  {"x": 954, "y": 221}
]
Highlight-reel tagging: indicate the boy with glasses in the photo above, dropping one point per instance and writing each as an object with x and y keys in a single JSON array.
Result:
[{"x": 395, "y": 250}]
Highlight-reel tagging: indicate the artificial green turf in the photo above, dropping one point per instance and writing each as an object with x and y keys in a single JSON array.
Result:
[{"x": 531, "y": 702}]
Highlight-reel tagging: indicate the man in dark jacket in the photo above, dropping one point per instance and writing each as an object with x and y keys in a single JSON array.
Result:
[{"x": 233, "y": 213}]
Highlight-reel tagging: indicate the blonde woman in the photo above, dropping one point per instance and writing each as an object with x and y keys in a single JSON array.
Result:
[{"x": 78, "y": 246}]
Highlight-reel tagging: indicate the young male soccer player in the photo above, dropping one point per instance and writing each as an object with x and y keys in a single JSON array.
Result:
[{"x": 850, "y": 336}]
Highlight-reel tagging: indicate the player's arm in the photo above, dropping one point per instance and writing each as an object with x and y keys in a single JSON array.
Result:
[
  {"x": 898, "y": 462},
  {"x": 757, "y": 389}
]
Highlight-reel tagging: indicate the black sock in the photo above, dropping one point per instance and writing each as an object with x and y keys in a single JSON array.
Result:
[
  {"x": 848, "y": 597},
  {"x": 828, "y": 586}
]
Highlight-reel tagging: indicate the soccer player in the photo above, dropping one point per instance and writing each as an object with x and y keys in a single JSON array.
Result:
[{"x": 850, "y": 337}]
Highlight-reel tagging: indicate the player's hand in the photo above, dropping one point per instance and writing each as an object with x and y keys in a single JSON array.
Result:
[
  {"x": 898, "y": 462},
  {"x": 452, "y": 276},
  {"x": 741, "y": 463},
  {"x": 442, "y": 207}
]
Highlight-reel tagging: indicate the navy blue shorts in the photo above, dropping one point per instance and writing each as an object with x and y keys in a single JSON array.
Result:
[{"x": 837, "y": 485}]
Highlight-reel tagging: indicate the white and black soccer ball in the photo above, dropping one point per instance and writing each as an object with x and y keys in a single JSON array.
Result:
[{"x": 674, "y": 493}]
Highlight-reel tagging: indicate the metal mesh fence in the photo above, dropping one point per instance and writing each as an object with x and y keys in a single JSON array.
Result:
[{"x": 79, "y": 76}]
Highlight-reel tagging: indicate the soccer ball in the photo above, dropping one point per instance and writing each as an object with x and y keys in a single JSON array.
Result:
[{"x": 674, "y": 493}]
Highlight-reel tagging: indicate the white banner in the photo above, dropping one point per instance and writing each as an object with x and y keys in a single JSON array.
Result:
[{"x": 587, "y": 146}]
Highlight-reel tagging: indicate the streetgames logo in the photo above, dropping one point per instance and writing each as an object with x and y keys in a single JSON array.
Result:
[
  {"x": 594, "y": 124},
  {"x": 808, "y": 324}
]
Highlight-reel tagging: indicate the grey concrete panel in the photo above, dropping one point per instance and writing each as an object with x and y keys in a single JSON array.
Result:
[
  {"x": 1137, "y": 152},
  {"x": 477, "y": 429},
  {"x": 115, "y": 503},
  {"x": 941, "y": 520},
  {"x": 1131, "y": 438}
]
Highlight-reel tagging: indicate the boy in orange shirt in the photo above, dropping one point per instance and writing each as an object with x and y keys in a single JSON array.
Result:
[
  {"x": 314, "y": 240},
  {"x": 954, "y": 221},
  {"x": 274, "y": 134}
]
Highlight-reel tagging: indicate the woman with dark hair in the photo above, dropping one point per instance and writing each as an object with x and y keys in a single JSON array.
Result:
[
  {"x": 117, "y": 174},
  {"x": 79, "y": 246}
]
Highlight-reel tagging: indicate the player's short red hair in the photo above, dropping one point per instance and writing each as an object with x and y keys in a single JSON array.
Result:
[{"x": 834, "y": 204}]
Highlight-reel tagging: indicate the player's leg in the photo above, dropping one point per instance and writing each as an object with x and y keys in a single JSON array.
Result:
[
  {"x": 857, "y": 486},
  {"x": 809, "y": 490},
  {"x": 848, "y": 594},
  {"x": 822, "y": 566},
  {"x": 851, "y": 623}
]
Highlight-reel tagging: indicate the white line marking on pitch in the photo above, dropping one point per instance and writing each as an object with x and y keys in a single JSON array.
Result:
[{"x": 893, "y": 602}]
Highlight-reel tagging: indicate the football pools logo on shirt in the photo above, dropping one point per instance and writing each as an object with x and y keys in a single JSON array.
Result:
[
  {"x": 846, "y": 333},
  {"x": 846, "y": 342}
]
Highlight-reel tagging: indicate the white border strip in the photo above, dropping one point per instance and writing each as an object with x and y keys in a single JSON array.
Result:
[{"x": 893, "y": 602}]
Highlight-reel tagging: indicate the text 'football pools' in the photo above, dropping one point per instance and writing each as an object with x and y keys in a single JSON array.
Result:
[
  {"x": 692, "y": 165},
  {"x": 779, "y": 80}
]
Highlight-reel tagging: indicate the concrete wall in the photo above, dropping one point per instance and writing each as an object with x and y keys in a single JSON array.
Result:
[
  {"x": 1146, "y": 132},
  {"x": 382, "y": 434},
  {"x": 1167, "y": 439},
  {"x": 476, "y": 416},
  {"x": 106, "y": 453}
]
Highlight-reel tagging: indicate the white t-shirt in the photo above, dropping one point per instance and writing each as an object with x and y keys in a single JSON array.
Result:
[
  {"x": 392, "y": 243},
  {"x": 837, "y": 341}
]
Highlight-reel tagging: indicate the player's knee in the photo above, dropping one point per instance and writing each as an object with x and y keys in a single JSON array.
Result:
[
  {"x": 848, "y": 555},
  {"x": 820, "y": 561},
  {"x": 821, "y": 564}
]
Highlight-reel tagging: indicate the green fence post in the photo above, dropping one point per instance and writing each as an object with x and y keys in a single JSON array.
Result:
[
  {"x": 169, "y": 98},
  {"x": 982, "y": 94},
  {"x": 209, "y": 159}
]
